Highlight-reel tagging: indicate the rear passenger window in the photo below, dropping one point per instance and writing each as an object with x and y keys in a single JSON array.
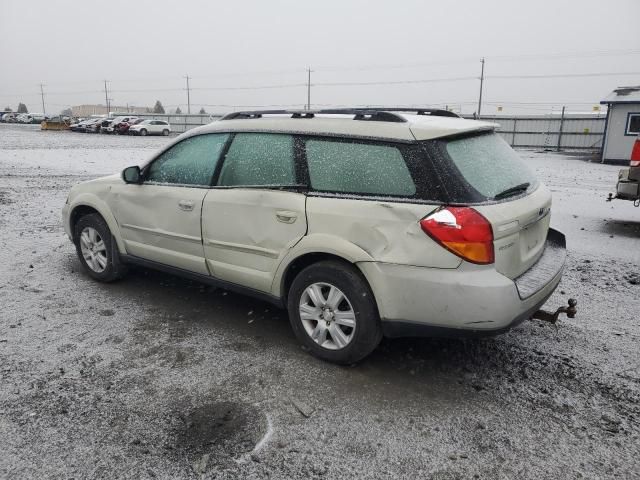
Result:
[
  {"x": 358, "y": 168},
  {"x": 259, "y": 159}
]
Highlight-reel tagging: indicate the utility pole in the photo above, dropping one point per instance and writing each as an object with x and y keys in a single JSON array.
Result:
[
  {"x": 42, "y": 96},
  {"x": 188, "y": 95},
  {"x": 309, "y": 88},
  {"x": 106, "y": 97},
  {"x": 481, "y": 82}
]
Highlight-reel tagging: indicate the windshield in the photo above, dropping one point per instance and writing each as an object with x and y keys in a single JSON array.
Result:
[{"x": 490, "y": 165}]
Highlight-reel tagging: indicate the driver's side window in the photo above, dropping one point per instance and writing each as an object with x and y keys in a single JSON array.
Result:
[{"x": 190, "y": 162}]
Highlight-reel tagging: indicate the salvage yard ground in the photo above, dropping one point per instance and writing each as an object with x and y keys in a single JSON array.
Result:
[{"x": 158, "y": 377}]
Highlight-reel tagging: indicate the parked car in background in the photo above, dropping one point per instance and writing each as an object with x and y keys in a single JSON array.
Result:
[
  {"x": 123, "y": 128},
  {"x": 628, "y": 186},
  {"x": 94, "y": 126},
  {"x": 150, "y": 127},
  {"x": 115, "y": 124},
  {"x": 106, "y": 123},
  {"x": 78, "y": 125},
  {"x": 362, "y": 223}
]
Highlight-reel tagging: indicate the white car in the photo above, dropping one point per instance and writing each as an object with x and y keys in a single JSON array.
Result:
[
  {"x": 362, "y": 223},
  {"x": 150, "y": 127}
]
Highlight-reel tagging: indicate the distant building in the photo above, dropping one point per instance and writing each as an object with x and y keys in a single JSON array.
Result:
[
  {"x": 622, "y": 125},
  {"x": 88, "y": 110}
]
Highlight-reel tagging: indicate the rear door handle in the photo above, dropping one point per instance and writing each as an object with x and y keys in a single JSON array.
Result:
[
  {"x": 186, "y": 205},
  {"x": 285, "y": 216}
]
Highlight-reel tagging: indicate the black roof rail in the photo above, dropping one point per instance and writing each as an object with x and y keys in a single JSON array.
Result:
[
  {"x": 374, "y": 114},
  {"x": 438, "y": 112}
]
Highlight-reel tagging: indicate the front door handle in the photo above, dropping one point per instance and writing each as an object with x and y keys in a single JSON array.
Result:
[
  {"x": 186, "y": 205},
  {"x": 285, "y": 216}
]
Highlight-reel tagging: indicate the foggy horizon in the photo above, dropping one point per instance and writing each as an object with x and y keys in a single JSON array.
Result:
[{"x": 255, "y": 55}]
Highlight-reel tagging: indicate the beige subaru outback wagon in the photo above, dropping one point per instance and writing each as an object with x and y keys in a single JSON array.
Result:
[{"x": 363, "y": 223}]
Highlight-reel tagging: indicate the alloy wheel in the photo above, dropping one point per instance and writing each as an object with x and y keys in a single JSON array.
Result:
[
  {"x": 94, "y": 250},
  {"x": 327, "y": 316}
]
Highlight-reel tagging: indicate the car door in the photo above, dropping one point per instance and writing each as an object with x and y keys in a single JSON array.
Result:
[
  {"x": 160, "y": 218},
  {"x": 256, "y": 212}
]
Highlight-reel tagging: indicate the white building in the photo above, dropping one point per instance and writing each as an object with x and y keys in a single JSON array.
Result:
[{"x": 622, "y": 124}]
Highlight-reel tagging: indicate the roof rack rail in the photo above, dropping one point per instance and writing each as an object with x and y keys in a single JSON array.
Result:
[{"x": 375, "y": 114}]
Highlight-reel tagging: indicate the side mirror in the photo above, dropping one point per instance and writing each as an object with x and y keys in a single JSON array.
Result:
[{"x": 132, "y": 175}]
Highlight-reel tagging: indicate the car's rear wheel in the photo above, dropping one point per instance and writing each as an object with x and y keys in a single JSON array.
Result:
[
  {"x": 165, "y": 132},
  {"x": 143, "y": 132},
  {"x": 97, "y": 250},
  {"x": 333, "y": 312}
]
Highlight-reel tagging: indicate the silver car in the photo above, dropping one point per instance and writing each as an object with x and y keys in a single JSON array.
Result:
[{"x": 362, "y": 223}]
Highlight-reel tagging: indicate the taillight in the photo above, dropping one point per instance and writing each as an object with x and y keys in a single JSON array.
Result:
[
  {"x": 635, "y": 154},
  {"x": 463, "y": 231}
]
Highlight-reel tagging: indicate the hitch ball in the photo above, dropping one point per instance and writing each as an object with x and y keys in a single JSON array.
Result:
[{"x": 545, "y": 316}]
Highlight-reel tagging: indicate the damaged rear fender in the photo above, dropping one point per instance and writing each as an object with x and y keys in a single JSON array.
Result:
[{"x": 314, "y": 244}]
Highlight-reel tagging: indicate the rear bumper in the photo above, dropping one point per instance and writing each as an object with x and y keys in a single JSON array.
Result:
[{"x": 471, "y": 300}]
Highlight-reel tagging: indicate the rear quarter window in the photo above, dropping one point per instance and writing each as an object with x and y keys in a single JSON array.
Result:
[{"x": 358, "y": 168}]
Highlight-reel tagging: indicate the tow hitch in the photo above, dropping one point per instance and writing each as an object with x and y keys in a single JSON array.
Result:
[{"x": 552, "y": 318}]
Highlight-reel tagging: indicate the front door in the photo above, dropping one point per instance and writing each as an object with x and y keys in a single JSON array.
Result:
[
  {"x": 254, "y": 215},
  {"x": 160, "y": 218}
]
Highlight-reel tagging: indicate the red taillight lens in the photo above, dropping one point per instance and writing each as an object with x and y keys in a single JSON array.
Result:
[
  {"x": 635, "y": 154},
  {"x": 463, "y": 231}
]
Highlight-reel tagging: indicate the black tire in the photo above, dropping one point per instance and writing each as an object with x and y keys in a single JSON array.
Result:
[
  {"x": 143, "y": 132},
  {"x": 348, "y": 279},
  {"x": 165, "y": 132},
  {"x": 114, "y": 268}
]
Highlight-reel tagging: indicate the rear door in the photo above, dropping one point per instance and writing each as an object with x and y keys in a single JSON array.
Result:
[
  {"x": 256, "y": 212},
  {"x": 160, "y": 219}
]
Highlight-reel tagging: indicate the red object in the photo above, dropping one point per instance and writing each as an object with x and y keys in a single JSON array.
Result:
[
  {"x": 635, "y": 154},
  {"x": 463, "y": 231}
]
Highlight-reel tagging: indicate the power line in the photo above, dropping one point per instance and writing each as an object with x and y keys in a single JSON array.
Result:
[
  {"x": 392, "y": 82},
  {"x": 564, "y": 75},
  {"x": 345, "y": 84}
]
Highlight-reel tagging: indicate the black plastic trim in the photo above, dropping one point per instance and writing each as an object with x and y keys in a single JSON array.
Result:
[{"x": 206, "y": 279}]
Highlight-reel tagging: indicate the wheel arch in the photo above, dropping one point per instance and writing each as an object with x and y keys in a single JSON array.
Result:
[
  {"x": 87, "y": 204},
  {"x": 312, "y": 250}
]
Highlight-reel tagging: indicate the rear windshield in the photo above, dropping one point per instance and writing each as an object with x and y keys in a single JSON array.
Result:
[{"x": 489, "y": 164}]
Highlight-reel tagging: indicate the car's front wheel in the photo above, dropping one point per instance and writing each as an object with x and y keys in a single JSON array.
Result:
[
  {"x": 333, "y": 312},
  {"x": 96, "y": 249},
  {"x": 165, "y": 132},
  {"x": 143, "y": 132}
]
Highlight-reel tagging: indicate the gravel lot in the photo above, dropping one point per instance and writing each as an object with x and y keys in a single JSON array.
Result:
[{"x": 157, "y": 377}]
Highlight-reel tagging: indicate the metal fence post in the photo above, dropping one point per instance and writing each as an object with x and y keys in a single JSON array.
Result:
[
  {"x": 560, "y": 131},
  {"x": 513, "y": 135}
]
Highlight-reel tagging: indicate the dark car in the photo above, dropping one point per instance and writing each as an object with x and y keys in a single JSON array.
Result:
[{"x": 123, "y": 127}]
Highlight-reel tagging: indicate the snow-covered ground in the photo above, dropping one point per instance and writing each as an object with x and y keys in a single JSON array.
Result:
[{"x": 158, "y": 377}]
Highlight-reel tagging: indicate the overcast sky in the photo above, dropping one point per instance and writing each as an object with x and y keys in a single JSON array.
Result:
[{"x": 145, "y": 48}]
